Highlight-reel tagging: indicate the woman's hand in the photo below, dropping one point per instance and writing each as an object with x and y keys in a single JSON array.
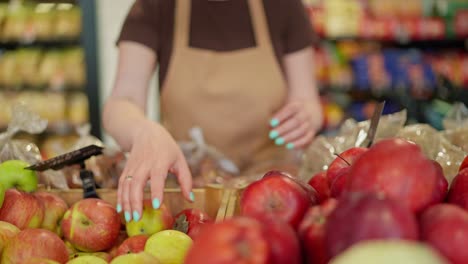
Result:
[
  {"x": 296, "y": 124},
  {"x": 153, "y": 154}
]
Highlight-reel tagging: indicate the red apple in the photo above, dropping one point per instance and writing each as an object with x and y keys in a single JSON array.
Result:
[
  {"x": 397, "y": 168},
  {"x": 190, "y": 221},
  {"x": 343, "y": 162},
  {"x": 235, "y": 240},
  {"x": 320, "y": 183},
  {"x": 442, "y": 184},
  {"x": 120, "y": 239},
  {"x": 338, "y": 186},
  {"x": 445, "y": 227},
  {"x": 7, "y": 232},
  {"x": 464, "y": 164},
  {"x": 91, "y": 225},
  {"x": 278, "y": 196},
  {"x": 312, "y": 232},
  {"x": 283, "y": 241},
  {"x": 35, "y": 243},
  {"x": 132, "y": 244},
  {"x": 55, "y": 207},
  {"x": 359, "y": 217},
  {"x": 22, "y": 209},
  {"x": 458, "y": 193}
]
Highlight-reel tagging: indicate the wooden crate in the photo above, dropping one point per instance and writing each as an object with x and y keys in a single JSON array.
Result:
[
  {"x": 211, "y": 199},
  {"x": 232, "y": 207}
]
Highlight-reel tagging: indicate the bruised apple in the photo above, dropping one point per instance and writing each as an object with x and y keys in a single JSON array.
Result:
[
  {"x": 91, "y": 225},
  {"x": 279, "y": 196},
  {"x": 398, "y": 169},
  {"x": 190, "y": 221},
  {"x": 312, "y": 232},
  {"x": 368, "y": 216}
]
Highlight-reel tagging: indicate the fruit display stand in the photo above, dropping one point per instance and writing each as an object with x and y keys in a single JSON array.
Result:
[{"x": 212, "y": 199}]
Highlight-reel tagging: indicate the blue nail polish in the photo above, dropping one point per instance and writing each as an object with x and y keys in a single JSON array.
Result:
[
  {"x": 136, "y": 216},
  {"x": 119, "y": 208},
  {"x": 290, "y": 146},
  {"x": 279, "y": 141},
  {"x": 156, "y": 203},
  {"x": 274, "y": 122},
  {"x": 127, "y": 216},
  {"x": 192, "y": 197},
  {"x": 274, "y": 134}
]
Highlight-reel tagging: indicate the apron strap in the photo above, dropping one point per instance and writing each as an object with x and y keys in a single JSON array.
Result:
[{"x": 257, "y": 15}]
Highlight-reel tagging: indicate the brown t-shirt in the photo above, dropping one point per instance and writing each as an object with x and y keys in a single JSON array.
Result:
[{"x": 216, "y": 25}]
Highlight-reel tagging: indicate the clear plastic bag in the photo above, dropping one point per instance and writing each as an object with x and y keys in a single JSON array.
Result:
[
  {"x": 456, "y": 126},
  {"x": 206, "y": 163}
]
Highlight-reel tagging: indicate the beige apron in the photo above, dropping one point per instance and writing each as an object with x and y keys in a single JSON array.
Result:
[{"x": 230, "y": 95}]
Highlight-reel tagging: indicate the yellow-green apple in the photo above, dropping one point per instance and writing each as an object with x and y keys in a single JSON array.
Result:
[
  {"x": 70, "y": 248},
  {"x": 7, "y": 232},
  {"x": 190, "y": 221},
  {"x": 55, "y": 207},
  {"x": 398, "y": 169},
  {"x": 14, "y": 175},
  {"x": 103, "y": 255},
  {"x": 278, "y": 195},
  {"x": 132, "y": 244},
  {"x": 169, "y": 246},
  {"x": 91, "y": 225},
  {"x": 34, "y": 243},
  {"x": 368, "y": 216},
  {"x": 136, "y": 258},
  {"x": 312, "y": 232},
  {"x": 22, "y": 209},
  {"x": 87, "y": 260},
  {"x": 458, "y": 193},
  {"x": 445, "y": 227},
  {"x": 390, "y": 252},
  {"x": 152, "y": 220}
]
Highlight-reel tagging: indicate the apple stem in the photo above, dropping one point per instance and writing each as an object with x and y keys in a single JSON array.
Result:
[{"x": 339, "y": 156}]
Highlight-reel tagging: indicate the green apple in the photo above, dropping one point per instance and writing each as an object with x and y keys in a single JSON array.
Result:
[
  {"x": 151, "y": 222},
  {"x": 87, "y": 260},
  {"x": 7, "y": 231},
  {"x": 41, "y": 261},
  {"x": 169, "y": 246},
  {"x": 102, "y": 255},
  {"x": 14, "y": 174},
  {"x": 136, "y": 258},
  {"x": 389, "y": 252}
]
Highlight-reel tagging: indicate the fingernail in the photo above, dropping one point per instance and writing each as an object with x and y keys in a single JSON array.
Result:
[
  {"x": 136, "y": 216},
  {"x": 156, "y": 203},
  {"x": 274, "y": 134},
  {"x": 127, "y": 216},
  {"x": 290, "y": 146},
  {"x": 119, "y": 208},
  {"x": 192, "y": 197},
  {"x": 274, "y": 122},
  {"x": 279, "y": 141}
]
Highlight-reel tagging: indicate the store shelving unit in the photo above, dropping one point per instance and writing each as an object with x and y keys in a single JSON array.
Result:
[{"x": 78, "y": 82}]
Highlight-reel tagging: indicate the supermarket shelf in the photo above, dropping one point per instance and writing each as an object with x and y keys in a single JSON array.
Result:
[
  {"x": 66, "y": 89},
  {"x": 48, "y": 44},
  {"x": 57, "y": 128},
  {"x": 423, "y": 44}
]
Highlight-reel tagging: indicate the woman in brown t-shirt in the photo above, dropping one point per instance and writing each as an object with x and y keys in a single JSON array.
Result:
[{"x": 241, "y": 70}]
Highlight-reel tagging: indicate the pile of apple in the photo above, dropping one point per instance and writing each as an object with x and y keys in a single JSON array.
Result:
[
  {"x": 384, "y": 204},
  {"x": 39, "y": 227}
]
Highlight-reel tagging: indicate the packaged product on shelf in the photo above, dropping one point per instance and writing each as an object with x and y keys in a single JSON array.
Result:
[
  {"x": 43, "y": 21},
  {"x": 342, "y": 18},
  {"x": 27, "y": 61},
  {"x": 17, "y": 24},
  {"x": 51, "y": 71},
  {"x": 5, "y": 108},
  {"x": 68, "y": 21},
  {"x": 77, "y": 109},
  {"x": 49, "y": 105},
  {"x": 9, "y": 73},
  {"x": 74, "y": 67}
]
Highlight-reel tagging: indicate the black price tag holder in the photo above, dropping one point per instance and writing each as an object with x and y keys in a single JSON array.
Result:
[{"x": 76, "y": 157}]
